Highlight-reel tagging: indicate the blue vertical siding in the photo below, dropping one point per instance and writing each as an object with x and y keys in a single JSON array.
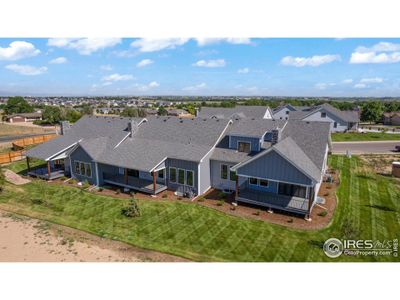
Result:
[
  {"x": 80, "y": 155},
  {"x": 255, "y": 142}
]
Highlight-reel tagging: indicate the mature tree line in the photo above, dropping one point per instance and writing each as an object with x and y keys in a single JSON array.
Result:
[{"x": 133, "y": 112}]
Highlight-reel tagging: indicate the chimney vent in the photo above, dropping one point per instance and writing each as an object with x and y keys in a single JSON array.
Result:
[
  {"x": 132, "y": 127},
  {"x": 64, "y": 126}
]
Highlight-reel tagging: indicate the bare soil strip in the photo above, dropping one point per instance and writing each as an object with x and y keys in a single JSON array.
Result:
[{"x": 24, "y": 239}]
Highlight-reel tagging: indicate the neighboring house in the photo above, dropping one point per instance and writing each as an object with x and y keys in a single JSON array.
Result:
[
  {"x": 151, "y": 112},
  {"x": 24, "y": 117},
  {"x": 180, "y": 113},
  {"x": 340, "y": 121},
  {"x": 391, "y": 118},
  {"x": 279, "y": 164},
  {"x": 237, "y": 112}
]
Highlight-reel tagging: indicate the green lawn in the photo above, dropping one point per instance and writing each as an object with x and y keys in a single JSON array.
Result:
[
  {"x": 368, "y": 207},
  {"x": 368, "y": 136}
]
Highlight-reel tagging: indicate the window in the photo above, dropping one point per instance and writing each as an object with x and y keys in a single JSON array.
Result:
[
  {"x": 189, "y": 178},
  {"x": 161, "y": 174},
  {"x": 244, "y": 147},
  {"x": 181, "y": 176},
  {"x": 82, "y": 169},
  {"x": 77, "y": 169},
  {"x": 224, "y": 172},
  {"x": 232, "y": 176},
  {"x": 253, "y": 181},
  {"x": 323, "y": 114},
  {"x": 172, "y": 174},
  {"x": 263, "y": 183},
  {"x": 133, "y": 173},
  {"x": 287, "y": 112},
  {"x": 88, "y": 170},
  {"x": 292, "y": 190},
  {"x": 335, "y": 125}
]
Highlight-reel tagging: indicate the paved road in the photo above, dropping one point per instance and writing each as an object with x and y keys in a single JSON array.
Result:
[
  {"x": 9, "y": 138},
  {"x": 365, "y": 147}
]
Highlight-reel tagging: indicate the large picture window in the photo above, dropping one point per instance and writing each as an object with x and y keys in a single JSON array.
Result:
[
  {"x": 292, "y": 190},
  {"x": 189, "y": 178},
  {"x": 83, "y": 168},
  {"x": 181, "y": 176},
  {"x": 224, "y": 172},
  {"x": 172, "y": 174},
  {"x": 244, "y": 147},
  {"x": 133, "y": 173}
]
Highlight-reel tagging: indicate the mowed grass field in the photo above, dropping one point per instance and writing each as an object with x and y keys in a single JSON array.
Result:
[
  {"x": 368, "y": 208},
  {"x": 368, "y": 136}
]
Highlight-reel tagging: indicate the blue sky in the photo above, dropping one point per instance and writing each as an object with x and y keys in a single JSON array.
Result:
[{"x": 180, "y": 66}]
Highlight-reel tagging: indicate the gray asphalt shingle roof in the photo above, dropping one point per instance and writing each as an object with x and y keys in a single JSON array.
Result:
[
  {"x": 239, "y": 111},
  {"x": 254, "y": 127},
  {"x": 88, "y": 127}
]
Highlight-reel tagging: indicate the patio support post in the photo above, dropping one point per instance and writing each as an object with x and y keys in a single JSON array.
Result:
[
  {"x": 154, "y": 183},
  {"x": 237, "y": 187},
  {"x": 310, "y": 203},
  {"x": 126, "y": 176},
  {"x": 27, "y": 164},
  {"x": 48, "y": 169}
]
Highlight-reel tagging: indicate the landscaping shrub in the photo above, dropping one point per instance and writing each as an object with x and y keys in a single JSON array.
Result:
[
  {"x": 290, "y": 220},
  {"x": 132, "y": 194},
  {"x": 221, "y": 202},
  {"x": 131, "y": 210},
  {"x": 221, "y": 195},
  {"x": 101, "y": 189},
  {"x": 37, "y": 201},
  {"x": 326, "y": 194},
  {"x": 257, "y": 213},
  {"x": 179, "y": 198},
  {"x": 85, "y": 184},
  {"x": 200, "y": 199},
  {"x": 323, "y": 213},
  {"x": 164, "y": 196},
  {"x": 72, "y": 181},
  {"x": 118, "y": 191}
]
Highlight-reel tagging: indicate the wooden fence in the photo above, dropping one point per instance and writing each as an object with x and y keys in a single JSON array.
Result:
[
  {"x": 19, "y": 145},
  {"x": 22, "y": 143}
]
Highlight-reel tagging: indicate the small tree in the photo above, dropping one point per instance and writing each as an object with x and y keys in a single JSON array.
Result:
[
  {"x": 131, "y": 210},
  {"x": 372, "y": 111},
  {"x": 16, "y": 105},
  {"x": 162, "y": 111}
]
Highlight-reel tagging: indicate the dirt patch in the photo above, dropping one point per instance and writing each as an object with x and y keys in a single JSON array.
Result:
[
  {"x": 380, "y": 164},
  {"x": 31, "y": 240},
  {"x": 14, "y": 178}
]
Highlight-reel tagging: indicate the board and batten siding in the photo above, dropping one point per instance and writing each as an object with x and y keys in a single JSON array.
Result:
[
  {"x": 316, "y": 116},
  {"x": 222, "y": 184},
  {"x": 204, "y": 169},
  {"x": 234, "y": 140},
  {"x": 182, "y": 164},
  {"x": 274, "y": 167},
  {"x": 80, "y": 155}
]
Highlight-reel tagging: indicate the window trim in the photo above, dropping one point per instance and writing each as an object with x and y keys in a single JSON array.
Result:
[
  {"x": 186, "y": 181},
  {"x": 230, "y": 175},
  {"x": 244, "y": 142},
  {"x": 169, "y": 175},
  {"x": 263, "y": 186}
]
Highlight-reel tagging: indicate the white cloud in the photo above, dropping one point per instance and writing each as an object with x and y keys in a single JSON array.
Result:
[
  {"x": 84, "y": 46},
  {"x": 243, "y": 71},
  {"x": 347, "y": 81},
  {"x": 18, "y": 50},
  {"x": 210, "y": 41},
  {"x": 106, "y": 67},
  {"x": 117, "y": 77},
  {"x": 313, "y": 61},
  {"x": 380, "y": 53},
  {"x": 324, "y": 86},
  {"x": 152, "y": 45},
  {"x": 107, "y": 83},
  {"x": 144, "y": 62},
  {"x": 195, "y": 87},
  {"x": 372, "y": 80},
  {"x": 26, "y": 69},
  {"x": 360, "y": 86},
  {"x": 212, "y": 63},
  {"x": 58, "y": 60},
  {"x": 146, "y": 87}
]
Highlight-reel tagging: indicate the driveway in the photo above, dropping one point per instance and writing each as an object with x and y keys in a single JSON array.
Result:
[{"x": 373, "y": 147}]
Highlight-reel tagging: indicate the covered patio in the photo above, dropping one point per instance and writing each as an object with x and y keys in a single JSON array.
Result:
[
  {"x": 49, "y": 172},
  {"x": 135, "y": 183},
  {"x": 274, "y": 201}
]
